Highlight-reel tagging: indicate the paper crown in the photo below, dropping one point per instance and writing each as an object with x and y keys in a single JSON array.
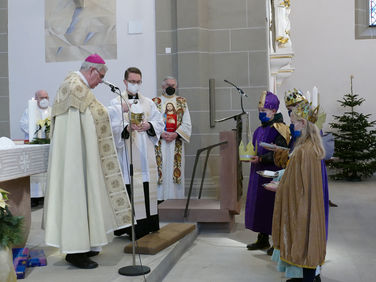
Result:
[
  {"x": 306, "y": 111},
  {"x": 268, "y": 100},
  {"x": 293, "y": 97},
  {"x": 245, "y": 153},
  {"x": 95, "y": 59}
]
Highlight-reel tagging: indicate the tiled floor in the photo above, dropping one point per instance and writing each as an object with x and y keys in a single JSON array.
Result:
[{"x": 351, "y": 249}]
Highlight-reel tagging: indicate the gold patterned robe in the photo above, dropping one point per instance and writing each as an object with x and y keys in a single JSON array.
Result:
[
  {"x": 298, "y": 219},
  {"x": 171, "y": 156},
  {"x": 85, "y": 198}
]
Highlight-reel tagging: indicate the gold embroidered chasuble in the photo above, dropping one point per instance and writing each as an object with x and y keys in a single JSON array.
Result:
[
  {"x": 75, "y": 94},
  {"x": 298, "y": 219}
]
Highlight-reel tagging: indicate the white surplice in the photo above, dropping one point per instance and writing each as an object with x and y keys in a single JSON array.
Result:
[{"x": 144, "y": 163}]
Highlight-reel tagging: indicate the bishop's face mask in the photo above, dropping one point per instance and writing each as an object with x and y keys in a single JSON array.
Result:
[{"x": 170, "y": 90}]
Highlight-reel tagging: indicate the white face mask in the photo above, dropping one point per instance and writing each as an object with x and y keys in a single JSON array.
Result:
[
  {"x": 44, "y": 103},
  {"x": 133, "y": 88}
]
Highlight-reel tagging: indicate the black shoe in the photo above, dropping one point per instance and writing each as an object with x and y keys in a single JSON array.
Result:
[
  {"x": 120, "y": 232},
  {"x": 317, "y": 278},
  {"x": 34, "y": 202},
  {"x": 81, "y": 261},
  {"x": 128, "y": 231},
  {"x": 331, "y": 204},
  {"x": 261, "y": 243},
  {"x": 269, "y": 252},
  {"x": 294, "y": 280},
  {"x": 92, "y": 254}
]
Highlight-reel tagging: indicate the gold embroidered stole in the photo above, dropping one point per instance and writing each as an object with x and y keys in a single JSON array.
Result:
[
  {"x": 74, "y": 93},
  {"x": 180, "y": 106}
]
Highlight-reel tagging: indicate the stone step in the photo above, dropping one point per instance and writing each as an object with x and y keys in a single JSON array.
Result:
[{"x": 200, "y": 210}]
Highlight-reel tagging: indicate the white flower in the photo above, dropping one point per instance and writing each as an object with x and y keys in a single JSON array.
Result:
[{"x": 3, "y": 198}]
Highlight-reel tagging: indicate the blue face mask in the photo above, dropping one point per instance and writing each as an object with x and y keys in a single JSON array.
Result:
[
  {"x": 263, "y": 117},
  {"x": 297, "y": 134},
  {"x": 294, "y": 133},
  {"x": 291, "y": 129}
]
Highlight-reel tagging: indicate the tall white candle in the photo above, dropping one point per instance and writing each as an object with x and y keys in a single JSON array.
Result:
[
  {"x": 309, "y": 98},
  {"x": 315, "y": 95},
  {"x": 32, "y": 108}
]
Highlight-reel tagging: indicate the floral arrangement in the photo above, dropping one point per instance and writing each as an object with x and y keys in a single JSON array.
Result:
[
  {"x": 44, "y": 126},
  {"x": 10, "y": 226}
]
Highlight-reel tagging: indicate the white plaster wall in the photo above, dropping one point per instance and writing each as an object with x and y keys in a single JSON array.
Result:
[
  {"x": 29, "y": 72},
  {"x": 326, "y": 54}
]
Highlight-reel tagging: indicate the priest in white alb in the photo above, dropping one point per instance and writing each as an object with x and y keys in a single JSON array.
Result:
[
  {"x": 41, "y": 113},
  {"x": 86, "y": 198},
  {"x": 146, "y": 126},
  {"x": 170, "y": 150}
]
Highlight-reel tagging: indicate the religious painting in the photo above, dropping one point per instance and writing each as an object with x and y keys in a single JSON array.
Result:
[
  {"x": 170, "y": 117},
  {"x": 76, "y": 28}
]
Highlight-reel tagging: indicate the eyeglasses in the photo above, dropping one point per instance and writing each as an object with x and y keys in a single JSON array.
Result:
[
  {"x": 135, "y": 81},
  {"x": 100, "y": 75}
]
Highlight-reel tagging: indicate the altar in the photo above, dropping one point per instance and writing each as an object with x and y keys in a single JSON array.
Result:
[{"x": 16, "y": 166}]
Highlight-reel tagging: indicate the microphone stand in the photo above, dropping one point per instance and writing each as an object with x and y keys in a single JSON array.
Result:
[
  {"x": 239, "y": 130},
  {"x": 130, "y": 270},
  {"x": 241, "y": 92}
]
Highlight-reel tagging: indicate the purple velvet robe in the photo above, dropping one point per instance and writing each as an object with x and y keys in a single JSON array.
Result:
[{"x": 260, "y": 202}]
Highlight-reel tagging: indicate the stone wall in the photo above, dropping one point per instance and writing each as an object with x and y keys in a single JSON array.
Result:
[
  {"x": 217, "y": 39},
  {"x": 4, "y": 81}
]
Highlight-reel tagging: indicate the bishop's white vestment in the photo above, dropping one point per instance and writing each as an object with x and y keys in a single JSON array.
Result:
[{"x": 86, "y": 198}]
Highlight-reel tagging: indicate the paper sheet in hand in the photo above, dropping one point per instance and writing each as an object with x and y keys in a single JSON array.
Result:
[
  {"x": 268, "y": 173},
  {"x": 272, "y": 146}
]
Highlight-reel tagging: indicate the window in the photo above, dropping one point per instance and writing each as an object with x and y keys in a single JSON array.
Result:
[
  {"x": 365, "y": 19},
  {"x": 372, "y": 12}
]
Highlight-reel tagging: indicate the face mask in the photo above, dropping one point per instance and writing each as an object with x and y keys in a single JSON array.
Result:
[
  {"x": 170, "y": 90},
  {"x": 44, "y": 103},
  {"x": 292, "y": 129},
  {"x": 263, "y": 117},
  {"x": 133, "y": 88},
  {"x": 295, "y": 133}
]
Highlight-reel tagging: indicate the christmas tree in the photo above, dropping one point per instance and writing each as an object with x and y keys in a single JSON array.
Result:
[{"x": 355, "y": 141}]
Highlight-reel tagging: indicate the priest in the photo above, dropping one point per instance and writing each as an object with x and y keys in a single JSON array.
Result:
[
  {"x": 170, "y": 149},
  {"x": 146, "y": 125},
  {"x": 85, "y": 199},
  {"x": 42, "y": 112}
]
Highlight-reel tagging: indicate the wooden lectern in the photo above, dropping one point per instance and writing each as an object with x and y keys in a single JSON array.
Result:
[{"x": 220, "y": 210}]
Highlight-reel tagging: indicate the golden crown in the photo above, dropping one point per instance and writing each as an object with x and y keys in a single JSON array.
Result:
[
  {"x": 293, "y": 97},
  {"x": 306, "y": 111}
]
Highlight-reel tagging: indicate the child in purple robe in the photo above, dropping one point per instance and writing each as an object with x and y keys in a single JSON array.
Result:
[{"x": 260, "y": 202}]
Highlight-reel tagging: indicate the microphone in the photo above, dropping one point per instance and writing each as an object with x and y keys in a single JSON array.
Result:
[
  {"x": 237, "y": 88},
  {"x": 109, "y": 84}
]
